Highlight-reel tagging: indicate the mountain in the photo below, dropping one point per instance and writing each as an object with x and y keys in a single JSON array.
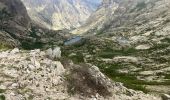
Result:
[
  {"x": 129, "y": 16},
  {"x": 133, "y": 42},
  {"x": 98, "y": 18},
  {"x": 60, "y": 14},
  {"x": 18, "y": 30},
  {"x": 14, "y": 22}
]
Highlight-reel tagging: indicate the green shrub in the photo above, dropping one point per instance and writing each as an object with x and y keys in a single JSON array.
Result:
[
  {"x": 129, "y": 81},
  {"x": 2, "y": 97},
  {"x": 2, "y": 90},
  {"x": 30, "y": 45},
  {"x": 4, "y": 46},
  {"x": 166, "y": 40},
  {"x": 159, "y": 46},
  {"x": 78, "y": 58},
  {"x": 167, "y": 76},
  {"x": 33, "y": 32},
  {"x": 124, "y": 52}
]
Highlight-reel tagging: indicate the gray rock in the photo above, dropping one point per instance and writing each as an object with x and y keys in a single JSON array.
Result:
[
  {"x": 165, "y": 97},
  {"x": 15, "y": 85},
  {"x": 53, "y": 54},
  {"x": 14, "y": 51},
  {"x": 125, "y": 59},
  {"x": 49, "y": 53},
  {"x": 57, "y": 52},
  {"x": 143, "y": 47},
  {"x": 31, "y": 67}
]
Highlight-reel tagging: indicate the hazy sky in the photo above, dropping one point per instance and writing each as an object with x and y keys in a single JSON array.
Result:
[{"x": 95, "y": 1}]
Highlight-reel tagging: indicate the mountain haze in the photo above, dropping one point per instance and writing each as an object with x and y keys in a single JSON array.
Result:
[{"x": 60, "y": 14}]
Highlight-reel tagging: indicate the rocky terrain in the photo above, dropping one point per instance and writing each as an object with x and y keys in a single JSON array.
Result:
[
  {"x": 132, "y": 43},
  {"x": 38, "y": 75},
  {"x": 18, "y": 30},
  {"x": 14, "y": 22},
  {"x": 143, "y": 67},
  {"x": 125, "y": 41},
  {"x": 127, "y": 17},
  {"x": 60, "y": 14}
]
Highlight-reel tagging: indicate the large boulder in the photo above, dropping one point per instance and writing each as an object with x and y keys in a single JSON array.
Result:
[
  {"x": 88, "y": 80},
  {"x": 54, "y": 53},
  {"x": 14, "y": 51},
  {"x": 143, "y": 47}
]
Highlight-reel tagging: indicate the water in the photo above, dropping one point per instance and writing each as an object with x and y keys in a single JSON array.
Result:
[{"x": 73, "y": 40}]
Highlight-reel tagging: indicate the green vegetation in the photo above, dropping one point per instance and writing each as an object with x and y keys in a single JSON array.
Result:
[
  {"x": 33, "y": 32},
  {"x": 2, "y": 97},
  {"x": 107, "y": 49},
  {"x": 159, "y": 46},
  {"x": 2, "y": 90},
  {"x": 30, "y": 45},
  {"x": 128, "y": 80},
  {"x": 78, "y": 58},
  {"x": 99, "y": 32},
  {"x": 166, "y": 40},
  {"x": 112, "y": 53},
  {"x": 167, "y": 76},
  {"x": 4, "y": 46}
]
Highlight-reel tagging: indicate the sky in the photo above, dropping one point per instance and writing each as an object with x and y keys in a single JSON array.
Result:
[{"x": 95, "y": 1}]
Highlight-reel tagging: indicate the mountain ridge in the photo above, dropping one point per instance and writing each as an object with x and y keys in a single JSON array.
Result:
[
  {"x": 127, "y": 14},
  {"x": 60, "y": 14}
]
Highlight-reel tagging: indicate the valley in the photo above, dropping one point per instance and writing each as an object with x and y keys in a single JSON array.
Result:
[{"x": 84, "y": 50}]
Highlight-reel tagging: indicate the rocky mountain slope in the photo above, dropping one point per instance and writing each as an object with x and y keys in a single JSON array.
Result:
[
  {"x": 60, "y": 14},
  {"x": 14, "y": 22},
  {"x": 129, "y": 17},
  {"x": 17, "y": 29},
  {"x": 130, "y": 47},
  {"x": 34, "y": 75},
  {"x": 132, "y": 43}
]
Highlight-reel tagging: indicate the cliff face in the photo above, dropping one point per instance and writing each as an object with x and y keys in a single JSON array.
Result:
[
  {"x": 98, "y": 18},
  {"x": 130, "y": 16},
  {"x": 16, "y": 11},
  {"x": 60, "y": 14},
  {"x": 18, "y": 30},
  {"x": 14, "y": 22}
]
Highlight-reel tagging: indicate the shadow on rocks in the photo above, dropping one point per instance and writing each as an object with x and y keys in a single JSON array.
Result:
[{"x": 88, "y": 80}]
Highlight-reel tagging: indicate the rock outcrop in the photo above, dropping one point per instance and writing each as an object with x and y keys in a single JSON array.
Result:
[
  {"x": 54, "y": 54},
  {"x": 18, "y": 30},
  {"x": 14, "y": 22}
]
